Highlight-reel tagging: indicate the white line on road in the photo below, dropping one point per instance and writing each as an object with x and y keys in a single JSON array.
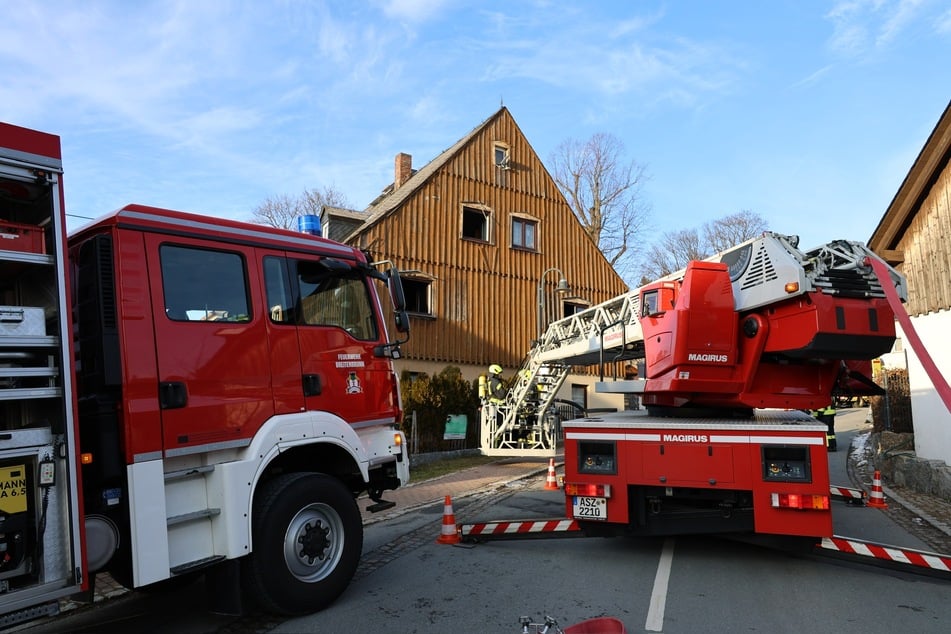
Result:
[{"x": 655, "y": 615}]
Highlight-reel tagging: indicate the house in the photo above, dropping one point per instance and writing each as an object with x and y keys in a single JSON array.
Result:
[
  {"x": 487, "y": 245},
  {"x": 913, "y": 236}
]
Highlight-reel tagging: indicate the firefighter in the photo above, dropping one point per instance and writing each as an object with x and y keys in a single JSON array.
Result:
[
  {"x": 827, "y": 415},
  {"x": 496, "y": 385}
]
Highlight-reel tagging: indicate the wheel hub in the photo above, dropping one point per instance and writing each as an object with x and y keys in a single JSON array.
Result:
[{"x": 314, "y": 541}]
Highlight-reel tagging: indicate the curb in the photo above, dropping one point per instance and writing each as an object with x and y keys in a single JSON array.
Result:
[{"x": 858, "y": 477}]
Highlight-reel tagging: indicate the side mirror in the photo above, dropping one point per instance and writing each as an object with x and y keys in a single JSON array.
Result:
[{"x": 395, "y": 285}]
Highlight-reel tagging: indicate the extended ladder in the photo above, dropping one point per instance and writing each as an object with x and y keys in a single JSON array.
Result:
[{"x": 763, "y": 271}]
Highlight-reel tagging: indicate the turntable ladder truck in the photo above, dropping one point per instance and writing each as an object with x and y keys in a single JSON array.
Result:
[{"x": 735, "y": 348}]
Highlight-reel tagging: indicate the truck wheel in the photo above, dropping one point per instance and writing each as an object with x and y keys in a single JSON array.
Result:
[{"x": 307, "y": 536}]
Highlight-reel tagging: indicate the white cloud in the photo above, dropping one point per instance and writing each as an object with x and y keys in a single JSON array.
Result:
[{"x": 861, "y": 27}]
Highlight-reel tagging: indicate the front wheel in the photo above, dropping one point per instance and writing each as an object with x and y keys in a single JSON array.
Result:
[{"x": 307, "y": 537}]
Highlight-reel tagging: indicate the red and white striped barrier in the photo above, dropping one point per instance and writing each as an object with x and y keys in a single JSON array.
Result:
[
  {"x": 917, "y": 558},
  {"x": 853, "y": 496},
  {"x": 520, "y": 528}
]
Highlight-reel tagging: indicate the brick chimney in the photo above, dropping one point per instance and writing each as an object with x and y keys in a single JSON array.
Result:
[{"x": 404, "y": 169}]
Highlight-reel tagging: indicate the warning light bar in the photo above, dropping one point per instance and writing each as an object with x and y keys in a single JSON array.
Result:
[
  {"x": 805, "y": 502},
  {"x": 588, "y": 490}
]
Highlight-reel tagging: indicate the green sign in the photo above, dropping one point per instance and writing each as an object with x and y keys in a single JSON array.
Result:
[{"x": 456, "y": 427}]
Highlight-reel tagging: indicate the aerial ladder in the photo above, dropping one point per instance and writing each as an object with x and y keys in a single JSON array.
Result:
[{"x": 793, "y": 307}]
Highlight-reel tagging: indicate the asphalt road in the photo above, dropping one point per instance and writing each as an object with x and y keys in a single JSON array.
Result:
[{"x": 409, "y": 583}]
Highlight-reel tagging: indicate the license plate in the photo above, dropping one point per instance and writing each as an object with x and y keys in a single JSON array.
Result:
[{"x": 588, "y": 508}]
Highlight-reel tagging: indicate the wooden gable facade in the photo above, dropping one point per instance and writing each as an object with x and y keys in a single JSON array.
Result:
[
  {"x": 914, "y": 235},
  {"x": 478, "y": 231}
]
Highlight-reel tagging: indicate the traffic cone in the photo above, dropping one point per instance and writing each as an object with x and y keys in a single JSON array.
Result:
[
  {"x": 551, "y": 482},
  {"x": 449, "y": 533},
  {"x": 877, "y": 497}
]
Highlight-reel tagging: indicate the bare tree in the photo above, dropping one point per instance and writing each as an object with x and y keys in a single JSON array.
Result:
[
  {"x": 282, "y": 210},
  {"x": 671, "y": 253},
  {"x": 720, "y": 235},
  {"x": 675, "y": 249},
  {"x": 604, "y": 192}
]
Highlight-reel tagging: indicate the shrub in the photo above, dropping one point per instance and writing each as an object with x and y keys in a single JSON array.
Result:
[{"x": 434, "y": 399}]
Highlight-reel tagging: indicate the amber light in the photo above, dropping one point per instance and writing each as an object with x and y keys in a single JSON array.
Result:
[
  {"x": 398, "y": 439},
  {"x": 792, "y": 287},
  {"x": 85, "y": 458}
]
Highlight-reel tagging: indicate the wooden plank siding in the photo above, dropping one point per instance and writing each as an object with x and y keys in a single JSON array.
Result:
[
  {"x": 915, "y": 232},
  {"x": 484, "y": 294},
  {"x": 925, "y": 245}
]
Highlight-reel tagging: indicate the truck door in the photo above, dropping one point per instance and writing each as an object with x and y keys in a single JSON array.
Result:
[
  {"x": 338, "y": 328},
  {"x": 213, "y": 368}
]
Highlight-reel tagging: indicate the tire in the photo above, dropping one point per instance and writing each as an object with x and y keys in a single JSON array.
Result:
[{"x": 287, "y": 511}]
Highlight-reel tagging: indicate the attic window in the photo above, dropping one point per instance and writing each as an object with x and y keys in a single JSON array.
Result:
[
  {"x": 475, "y": 223},
  {"x": 501, "y": 156}
]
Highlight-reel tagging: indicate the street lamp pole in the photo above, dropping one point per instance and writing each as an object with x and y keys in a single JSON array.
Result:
[{"x": 561, "y": 288}]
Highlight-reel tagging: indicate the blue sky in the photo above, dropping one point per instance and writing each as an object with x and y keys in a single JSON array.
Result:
[{"x": 809, "y": 113}]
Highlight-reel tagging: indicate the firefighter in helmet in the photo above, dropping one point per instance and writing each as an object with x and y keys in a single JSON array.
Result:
[{"x": 496, "y": 386}]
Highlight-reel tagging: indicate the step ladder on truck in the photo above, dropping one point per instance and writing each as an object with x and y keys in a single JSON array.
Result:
[{"x": 736, "y": 349}]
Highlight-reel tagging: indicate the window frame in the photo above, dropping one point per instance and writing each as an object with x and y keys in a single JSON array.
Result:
[
  {"x": 487, "y": 217},
  {"x": 410, "y": 282},
  {"x": 524, "y": 220}
]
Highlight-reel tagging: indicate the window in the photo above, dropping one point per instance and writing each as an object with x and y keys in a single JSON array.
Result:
[
  {"x": 475, "y": 223},
  {"x": 573, "y": 306},
  {"x": 325, "y": 294},
  {"x": 579, "y": 394},
  {"x": 204, "y": 285},
  {"x": 523, "y": 233},
  {"x": 280, "y": 299},
  {"x": 331, "y": 297},
  {"x": 502, "y": 156},
  {"x": 418, "y": 296}
]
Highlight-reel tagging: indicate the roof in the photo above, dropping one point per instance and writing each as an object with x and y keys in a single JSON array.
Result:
[
  {"x": 931, "y": 161},
  {"x": 392, "y": 197}
]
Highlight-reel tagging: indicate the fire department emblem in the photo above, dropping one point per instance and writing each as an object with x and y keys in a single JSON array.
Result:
[{"x": 353, "y": 384}]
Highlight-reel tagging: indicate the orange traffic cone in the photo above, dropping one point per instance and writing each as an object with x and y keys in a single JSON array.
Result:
[
  {"x": 449, "y": 533},
  {"x": 551, "y": 482},
  {"x": 877, "y": 497}
]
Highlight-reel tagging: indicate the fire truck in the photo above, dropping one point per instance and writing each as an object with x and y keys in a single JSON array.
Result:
[
  {"x": 733, "y": 351},
  {"x": 185, "y": 395}
]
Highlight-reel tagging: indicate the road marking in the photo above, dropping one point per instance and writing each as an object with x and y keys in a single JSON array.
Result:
[{"x": 655, "y": 615}]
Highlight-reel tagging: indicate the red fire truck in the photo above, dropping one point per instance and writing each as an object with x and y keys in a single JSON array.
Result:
[
  {"x": 184, "y": 395},
  {"x": 731, "y": 350}
]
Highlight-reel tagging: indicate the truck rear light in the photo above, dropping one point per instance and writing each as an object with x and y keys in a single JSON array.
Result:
[
  {"x": 588, "y": 490},
  {"x": 806, "y": 502}
]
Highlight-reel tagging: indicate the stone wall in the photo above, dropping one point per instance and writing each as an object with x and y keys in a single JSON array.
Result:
[{"x": 894, "y": 456}]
